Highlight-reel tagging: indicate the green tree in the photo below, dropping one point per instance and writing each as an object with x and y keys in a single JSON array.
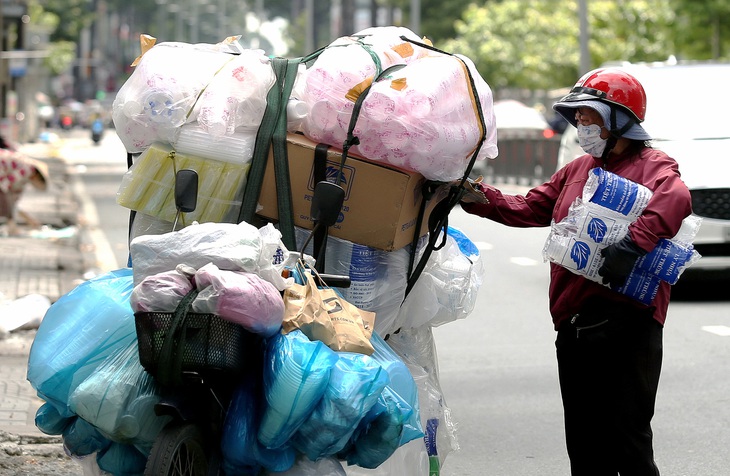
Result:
[
  {"x": 534, "y": 44},
  {"x": 73, "y": 16},
  {"x": 700, "y": 25},
  {"x": 438, "y": 17}
]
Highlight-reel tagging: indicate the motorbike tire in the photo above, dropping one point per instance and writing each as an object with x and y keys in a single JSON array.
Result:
[{"x": 179, "y": 450}]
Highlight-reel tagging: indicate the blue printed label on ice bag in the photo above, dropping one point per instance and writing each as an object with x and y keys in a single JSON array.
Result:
[{"x": 615, "y": 192}]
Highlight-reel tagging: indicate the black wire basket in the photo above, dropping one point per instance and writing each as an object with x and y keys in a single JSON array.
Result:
[{"x": 203, "y": 344}]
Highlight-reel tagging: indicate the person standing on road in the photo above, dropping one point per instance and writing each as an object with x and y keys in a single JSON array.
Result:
[
  {"x": 609, "y": 346},
  {"x": 17, "y": 170}
]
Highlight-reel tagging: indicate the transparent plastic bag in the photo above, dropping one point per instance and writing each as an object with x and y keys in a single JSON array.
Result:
[{"x": 448, "y": 286}]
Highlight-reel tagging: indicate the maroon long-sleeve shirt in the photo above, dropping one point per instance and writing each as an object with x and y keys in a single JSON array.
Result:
[{"x": 669, "y": 205}]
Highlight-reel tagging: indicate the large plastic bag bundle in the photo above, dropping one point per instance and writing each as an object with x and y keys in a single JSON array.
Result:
[
  {"x": 417, "y": 348},
  {"x": 346, "y": 67},
  {"x": 161, "y": 292},
  {"x": 159, "y": 95},
  {"x": 235, "y": 97},
  {"x": 394, "y": 419},
  {"x": 424, "y": 117},
  {"x": 239, "y": 297},
  {"x": 378, "y": 278},
  {"x": 149, "y": 185},
  {"x": 355, "y": 384},
  {"x": 119, "y": 399},
  {"x": 296, "y": 373},
  {"x": 242, "y": 452},
  {"x": 228, "y": 246},
  {"x": 448, "y": 286},
  {"x": 79, "y": 331}
]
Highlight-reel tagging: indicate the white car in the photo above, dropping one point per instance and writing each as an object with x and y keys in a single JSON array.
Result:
[{"x": 688, "y": 115}]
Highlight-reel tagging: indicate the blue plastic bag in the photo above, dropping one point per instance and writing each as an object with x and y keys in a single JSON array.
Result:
[
  {"x": 49, "y": 421},
  {"x": 121, "y": 460},
  {"x": 379, "y": 433},
  {"x": 356, "y": 382},
  {"x": 402, "y": 384},
  {"x": 78, "y": 332},
  {"x": 119, "y": 399},
  {"x": 296, "y": 373},
  {"x": 242, "y": 452},
  {"x": 81, "y": 438}
]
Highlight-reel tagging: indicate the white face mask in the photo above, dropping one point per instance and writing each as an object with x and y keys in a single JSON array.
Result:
[{"x": 589, "y": 138}]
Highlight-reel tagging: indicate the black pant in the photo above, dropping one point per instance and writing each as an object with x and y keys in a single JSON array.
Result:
[{"x": 609, "y": 361}]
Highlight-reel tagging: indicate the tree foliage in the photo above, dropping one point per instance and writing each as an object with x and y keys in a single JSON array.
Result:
[
  {"x": 534, "y": 44},
  {"x": 700, "y": 27},
  {"x": 73, "y": 16},
  {"x": 517, "y": 43}
]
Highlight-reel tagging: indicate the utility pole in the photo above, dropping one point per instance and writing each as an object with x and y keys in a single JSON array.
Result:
[
  {"x": 585, "y": 54},
  {"x": 416, "y": 16}
]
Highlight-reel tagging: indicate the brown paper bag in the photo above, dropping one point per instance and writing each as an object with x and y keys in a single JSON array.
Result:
[
  {"x": 321, "y": 314},
  {"x": 353, "y": 326}
]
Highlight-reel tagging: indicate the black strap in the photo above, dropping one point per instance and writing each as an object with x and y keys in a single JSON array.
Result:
[
  {"x": 169, "y": 363},
  {"x": 438, "y": 220},
  {"x": 320, "y": 232}
]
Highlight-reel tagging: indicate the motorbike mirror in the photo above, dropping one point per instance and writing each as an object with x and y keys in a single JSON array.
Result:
[
  {"x": 327, "y": 202},
  {"x": 186, "y": 193},
  {"x": 186, "y": 190}
]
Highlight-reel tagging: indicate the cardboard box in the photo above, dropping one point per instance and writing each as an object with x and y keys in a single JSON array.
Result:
[{"x": 381, "y": 203}]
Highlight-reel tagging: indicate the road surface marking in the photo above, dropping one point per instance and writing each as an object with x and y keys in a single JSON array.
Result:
[
  {"x": 105, "y": 258},
  {"x": 719, "y": 330}
]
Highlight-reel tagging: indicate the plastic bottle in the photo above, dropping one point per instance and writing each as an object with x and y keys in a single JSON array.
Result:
[{"x": 164, "y": 107}]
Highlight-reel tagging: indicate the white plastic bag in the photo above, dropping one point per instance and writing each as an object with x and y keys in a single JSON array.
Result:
[{"x": 228, "y": 246}]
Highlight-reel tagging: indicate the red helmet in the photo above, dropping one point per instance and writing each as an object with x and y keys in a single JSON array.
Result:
[{"x": 613, "y": 86}]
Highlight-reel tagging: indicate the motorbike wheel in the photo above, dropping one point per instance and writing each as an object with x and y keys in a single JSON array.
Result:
[{"x": 179, "y": 450}]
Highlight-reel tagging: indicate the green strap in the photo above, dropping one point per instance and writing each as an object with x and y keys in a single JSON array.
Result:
[
  {"x": 169, "y": 363},
  {"x": 260, "y": 155},
  {"x": 272, "y": 133},
  {"x": 288, "y": 71}
]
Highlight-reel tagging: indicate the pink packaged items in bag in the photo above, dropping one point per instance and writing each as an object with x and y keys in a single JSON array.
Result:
[
  {"x": 240, "y": 297},
  {"x": 162, "y": 292}
]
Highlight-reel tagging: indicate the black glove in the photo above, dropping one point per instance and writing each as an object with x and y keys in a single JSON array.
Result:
[{"x": 619, "y": 260}]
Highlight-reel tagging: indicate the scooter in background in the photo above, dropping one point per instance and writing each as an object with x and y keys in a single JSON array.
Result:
[{"x": 97, "y": 131}]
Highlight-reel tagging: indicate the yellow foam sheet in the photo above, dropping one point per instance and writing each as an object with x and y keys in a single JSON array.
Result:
[{"x": 148, "y": 186}]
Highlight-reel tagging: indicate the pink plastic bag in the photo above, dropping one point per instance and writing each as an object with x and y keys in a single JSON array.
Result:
[{"x": 240, "y": 297}]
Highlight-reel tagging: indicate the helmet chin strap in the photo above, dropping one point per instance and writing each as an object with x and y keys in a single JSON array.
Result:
[{"x": 615, "y": 134}]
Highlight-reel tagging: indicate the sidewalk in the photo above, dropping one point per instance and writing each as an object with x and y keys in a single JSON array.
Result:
[{"x": 37, "y": 262}]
